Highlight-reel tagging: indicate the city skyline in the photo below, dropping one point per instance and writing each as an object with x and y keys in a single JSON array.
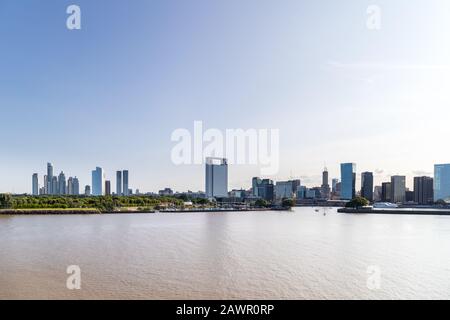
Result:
[
  {"x": 426, "y": 189},
  {"x": 276, "y": 62}
]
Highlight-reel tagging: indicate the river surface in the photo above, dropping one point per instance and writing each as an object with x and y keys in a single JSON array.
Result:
[{"x": 258, "y": 255}]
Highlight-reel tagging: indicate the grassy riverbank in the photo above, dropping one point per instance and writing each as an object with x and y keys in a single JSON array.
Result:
[{"x": 54, "y": 211}]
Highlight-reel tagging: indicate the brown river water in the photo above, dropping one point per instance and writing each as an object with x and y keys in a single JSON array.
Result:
[{"x": 249, "y": 255}]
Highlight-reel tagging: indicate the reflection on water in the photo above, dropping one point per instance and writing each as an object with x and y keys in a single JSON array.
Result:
[{"x": 300, "y": 255}]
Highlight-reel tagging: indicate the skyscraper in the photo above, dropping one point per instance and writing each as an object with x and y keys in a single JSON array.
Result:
[
  {"x": 442, "y": 182},
  {"x": 216, "y": 178},
  {"x": 377, "y": 193},
  {"x": 119, "y": 183},
  {"x": 334, "y": 183},
  {"x": 76, "y": 186},
  {"x": 46, "y": 185},
  {"x": 54, "y": 185},
  {"x": 87, "y": 190},
  {"x": 266, "y": 190},
  {"x": 35, "y": 185},
  {"x": 283, "y": 189},
  {"x": 325, "y": 188},
  {"x": 107, "y": 188},
  {"x": 398, "y": 189},
  {"x": 62, "y": 183},
  {"x": 98, "y": 179},
  {"x": 70, "y": 186},
  {"x": 125, "y": 188},
  {"x": 386, "y": 192},
  {"x": 50, "y": 178},
  {"x": 348, "y": 181},
  {"x": 423, "y": 190},
  {"x": 255, "y": 183},
  {"x": 367, "y": 185}
]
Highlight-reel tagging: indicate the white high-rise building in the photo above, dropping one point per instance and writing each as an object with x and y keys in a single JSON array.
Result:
[
  {"x": 98, "y": 182},
  {"x": 216, "y": 178}
]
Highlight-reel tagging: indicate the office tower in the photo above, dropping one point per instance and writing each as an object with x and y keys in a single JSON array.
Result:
[
  {"x": 50, "y": 178},
  {"x": 314, "y": 193},
  {"x": 46, "y": 185},
  {"x": 386, "y": 192},
  {"x": 216, "y": 178},
  {"x": 409, "y": 196},
  {"x": 76, "y": 186},
  {"x": 377, "y": 193},
  {"x": 70, "y": 186},
  {"x": 295, "y": 184},
  {"x": 301, "y": 192},
  {"x": 367, "y": 185},
  {"x": 325, "y": 189},
  {"x": 338, "y": 188},
  {"x": 423, "y": 190},
  {"x": 126, "y": 189},
  {"x": 87, "y": 190},
  {"x": 35, "y": 185},
  {"x": 107, "y": 188},
  {"x": 334, "y": 183},
  {"x": 266, "y": 190},
  {"x": 348, "y": 181},
  {"x": 442, "y": 182},
  {"x": 283, "y": 189},
  {"x": 398, "y": 189},
  {"x": 62, "y": 184},
  {"x": 255, "y": 184},
  {"x": 98, "y": 179},
  {"x": 54, "y": 185},
  {"x": 119, "y": 183}
]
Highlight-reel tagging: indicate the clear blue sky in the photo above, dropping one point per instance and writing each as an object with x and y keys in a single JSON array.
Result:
[{"x": 111, "y": 94}]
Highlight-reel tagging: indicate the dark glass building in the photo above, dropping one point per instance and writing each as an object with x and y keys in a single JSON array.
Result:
[
  {"x": 423, "y": 190},
  {"x": 367, "y": 185}
]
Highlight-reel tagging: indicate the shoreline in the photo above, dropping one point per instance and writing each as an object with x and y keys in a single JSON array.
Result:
[
  {"x": 399, "y": 211},
  {"x": 25, "y": 212}
]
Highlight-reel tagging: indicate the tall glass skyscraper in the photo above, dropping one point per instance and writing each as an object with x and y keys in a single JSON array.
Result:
[
  {"x": 62, "y": 183},
  {"x": 76, "y": 186},
  {"x": 367, "y": 185},
  {"x": 126, "y": 188},
  {"x": 49, "y": 178},
  {"x": 97, "y": 182},
  {"x": 119, "y": 183},
  {"x": 35, "y": 185},
  {"x": 348, "y": 181},
  {"x": 216, "y": 182},
  {"x": 423, "y": 190},
  {"x": 442, "y": 182}
]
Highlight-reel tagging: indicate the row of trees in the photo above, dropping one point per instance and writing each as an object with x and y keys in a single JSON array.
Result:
[{"x": 103, "y": 203}]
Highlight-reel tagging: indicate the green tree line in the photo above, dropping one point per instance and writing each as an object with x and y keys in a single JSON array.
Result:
[{"x": 103, "y": 203}]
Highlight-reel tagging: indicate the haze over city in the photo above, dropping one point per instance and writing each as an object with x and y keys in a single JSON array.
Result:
[{"x": 112, "y": 93}]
